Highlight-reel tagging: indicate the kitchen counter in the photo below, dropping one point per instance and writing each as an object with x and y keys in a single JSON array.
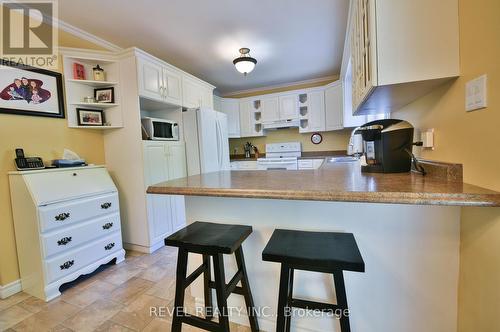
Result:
[
  {"x": 397, "y": 241},
  {"x": 342, "y": 182}
]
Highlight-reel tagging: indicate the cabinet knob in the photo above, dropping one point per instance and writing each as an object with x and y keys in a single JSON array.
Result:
[
  {"x": 62, "y": 216},
  {"x": 107, "y": 225},
  {"x": 64, "y": 241},
  {"x": 106, "y": 205},
  {"x": 109, "y": 246},
  {"x": 67, "y": 265}
]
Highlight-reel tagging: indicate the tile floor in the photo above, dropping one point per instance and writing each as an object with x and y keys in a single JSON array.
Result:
[{"x": 118, "y": 298}]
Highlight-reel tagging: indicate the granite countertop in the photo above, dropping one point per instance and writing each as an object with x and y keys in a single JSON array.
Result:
[{"x": 342, "y": 182}]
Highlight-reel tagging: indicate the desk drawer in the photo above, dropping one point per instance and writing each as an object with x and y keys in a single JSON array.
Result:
[
  {"x": 71, "y": 237},
  {"x": 81, "y": 257},
  {"x": 67, "y": 213}
]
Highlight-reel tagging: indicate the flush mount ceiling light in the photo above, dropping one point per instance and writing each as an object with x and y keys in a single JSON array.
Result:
[{"x": 244, "y": 63}]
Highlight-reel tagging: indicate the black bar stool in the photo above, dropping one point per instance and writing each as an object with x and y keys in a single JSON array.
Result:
[
  {"x": 211, "y": 240},
  {"x": 312, "y": 251}
]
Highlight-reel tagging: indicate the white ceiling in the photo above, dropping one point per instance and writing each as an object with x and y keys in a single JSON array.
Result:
[{"x": 292, "y": 40}]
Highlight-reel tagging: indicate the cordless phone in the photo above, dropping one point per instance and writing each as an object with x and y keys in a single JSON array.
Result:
[{"x": 27, "y": 163}]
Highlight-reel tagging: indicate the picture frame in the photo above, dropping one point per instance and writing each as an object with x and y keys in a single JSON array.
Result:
[
  {"x": 78, "y": 71},
  {"x": 90, "y": 117},
  {"x": 26, "y": 90},
  {"x": 105, "y": 95}
]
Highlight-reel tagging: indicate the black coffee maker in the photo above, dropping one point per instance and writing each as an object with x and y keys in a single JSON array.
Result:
[{"x": 387, "y": 146}]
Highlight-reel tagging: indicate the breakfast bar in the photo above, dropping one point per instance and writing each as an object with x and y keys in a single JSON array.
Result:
[{"x": 407, "y": 227}]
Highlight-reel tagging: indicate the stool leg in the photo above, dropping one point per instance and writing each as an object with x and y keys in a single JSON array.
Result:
[
  {"x": 247, "y": 293},
  {"x": 220, "y": 290},
  {"x": 207, "y": 276},
  {"x": 338, "y": 279},
  {"x": 283, "y": 298},
  {"x": 288, "y": 318},
  {"x": 182, "y": 257}
]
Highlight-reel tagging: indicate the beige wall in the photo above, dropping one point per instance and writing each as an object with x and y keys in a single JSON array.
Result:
[
  {"x": 472, "y": 139},
  {"x": 332, "y": 140},
  {"x": 44, "y": 137}
]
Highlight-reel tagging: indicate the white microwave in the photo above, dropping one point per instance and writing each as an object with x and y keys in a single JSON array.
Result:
[{"x": 160, "y": 129}]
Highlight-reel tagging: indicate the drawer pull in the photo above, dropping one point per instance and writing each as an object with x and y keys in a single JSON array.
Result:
[
  {"x": 106, "y": 205},
  {"x": 107, "y": 225},
  {"x": 64, "y": 241},
  {"x": 109, "y": 246},
  {"x": 62, "y": 216},
  {"x": 67, "y": 265}
]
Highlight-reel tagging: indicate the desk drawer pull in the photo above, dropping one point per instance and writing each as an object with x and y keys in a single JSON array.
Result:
[
  {"x": 106, "y": 205},
  {"x": 67, "y": 265},
  {"x": 107, "y": 225},
  {"x": 64, "y": 241},
  {"x": 109, "y": 246},
  {"x": 62, "y": 216}
]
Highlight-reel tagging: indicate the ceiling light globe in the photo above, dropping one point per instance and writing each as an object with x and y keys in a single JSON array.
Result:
[{"x": 245, "y": 65}]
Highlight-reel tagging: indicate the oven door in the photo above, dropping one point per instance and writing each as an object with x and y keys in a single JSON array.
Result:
[{"x": 165, "y": 131}]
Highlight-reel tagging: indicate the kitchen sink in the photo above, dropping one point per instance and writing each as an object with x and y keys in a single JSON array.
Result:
[{"x": 343, "y": 159}]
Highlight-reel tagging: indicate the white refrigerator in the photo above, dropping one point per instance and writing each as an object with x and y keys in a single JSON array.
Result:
[{"x": 207, "y": 143}]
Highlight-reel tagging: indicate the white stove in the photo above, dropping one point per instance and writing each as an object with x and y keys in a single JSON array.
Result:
[{"x": 281, "y": 156}]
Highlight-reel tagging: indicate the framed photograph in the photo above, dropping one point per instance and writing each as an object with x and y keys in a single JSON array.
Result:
[
  {"x": 78, "y": 71},
  {"x": 32, "y": 91},
  {"x": 105, "y": 95},
  {"x": 87, "y": 117}
]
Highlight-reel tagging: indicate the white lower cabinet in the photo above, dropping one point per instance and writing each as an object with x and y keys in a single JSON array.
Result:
[
  {"x": 72, "y": 232},
  {"x": 164, "y": 161}
]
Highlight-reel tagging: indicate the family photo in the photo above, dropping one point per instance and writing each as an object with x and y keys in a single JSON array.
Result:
[{"x": 29, "y": 90}]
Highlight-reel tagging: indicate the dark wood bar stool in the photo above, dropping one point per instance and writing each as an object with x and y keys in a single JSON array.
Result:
[
  {"x": 312, "y": 251},
  {"x": 211, "y": 240}
]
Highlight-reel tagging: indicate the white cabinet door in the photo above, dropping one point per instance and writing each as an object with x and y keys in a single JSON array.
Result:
[
  {"x": 150, "y": 79},
  {"x": 159, "y": 217},
  {"x": 176, "y": 155},
  {"x": 173, "y": 86},
  {"x": 246, "y": 118},
  {"x": 315, "y": 120},
  {"x": 288, "y": 107},
  {"x": 155, "y": 162},
  {"x": 191, "y": 96},
  {"x": 334, "y": 107},
  {"x": 270, "y": 109},
  {"x": 207, "y": 97},
  {"x": 231, "y": 107}
]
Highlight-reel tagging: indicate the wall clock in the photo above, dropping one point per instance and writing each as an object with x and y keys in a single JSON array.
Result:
[{"x": 316, "y": 138}]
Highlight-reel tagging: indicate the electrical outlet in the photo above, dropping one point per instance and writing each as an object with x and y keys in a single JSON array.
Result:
[{"x": 476, "y": 94}]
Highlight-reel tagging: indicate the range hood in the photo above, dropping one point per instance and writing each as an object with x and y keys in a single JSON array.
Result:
[{"x": 290, "y": 123}]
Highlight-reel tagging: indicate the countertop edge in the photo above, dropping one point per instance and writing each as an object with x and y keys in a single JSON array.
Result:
[{"x": 409, "y": 198}]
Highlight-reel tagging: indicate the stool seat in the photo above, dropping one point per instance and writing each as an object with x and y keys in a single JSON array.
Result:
[
  {"x": 316, "y": 251},
  {"x": 209, "y": 238}
]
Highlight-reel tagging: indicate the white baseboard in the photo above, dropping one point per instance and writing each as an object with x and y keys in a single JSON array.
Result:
[
  {"x": 10, "y": 289},
  {"x": 144, "y": 249}
]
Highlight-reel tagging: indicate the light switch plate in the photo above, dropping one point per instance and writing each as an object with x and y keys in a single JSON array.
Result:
[
  {"x": 427, "y": 138},
  {"x": 476, "y": 94}
]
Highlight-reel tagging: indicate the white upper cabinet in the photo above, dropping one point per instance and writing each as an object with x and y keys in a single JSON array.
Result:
[
  {"x": 150, "y": 79},
  {"x": 231, "y": 107},
  {"x": 250, "y": 118},
  {"x": 312, "y": 111},
  {"x": 172, "y": 86},
  {"x": 270, "y": 109},
  {"x": 196, "y": 94},
  {"x": 334, "y": 107},
  {"x": 402, "y": 49},
  {"x": 158, "y": 82},
  {"x": 288, "y": 107}
]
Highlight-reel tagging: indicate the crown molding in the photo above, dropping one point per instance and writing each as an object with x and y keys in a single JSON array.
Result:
[
  {"x": 82, "y": 34},
  {"x": 279, "y": 86}
]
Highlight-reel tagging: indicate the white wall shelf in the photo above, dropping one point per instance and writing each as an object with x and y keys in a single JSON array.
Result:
[
  {"x": 92, "y": 83},
  {"x": 76, "y": 90}
]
